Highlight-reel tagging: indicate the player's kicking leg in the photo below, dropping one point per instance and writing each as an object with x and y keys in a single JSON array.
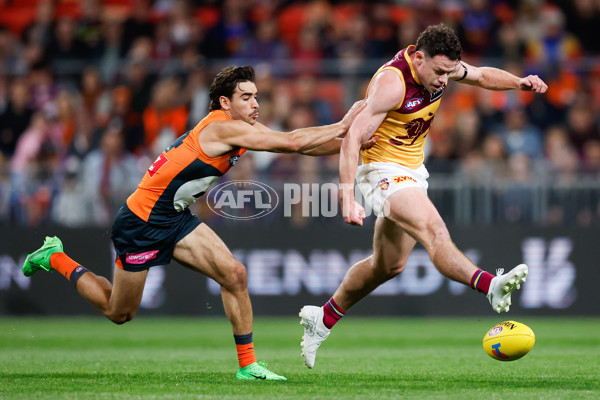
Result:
[
  {"x": 412, "y": 209},
  {"x": 203, "y": 251}
]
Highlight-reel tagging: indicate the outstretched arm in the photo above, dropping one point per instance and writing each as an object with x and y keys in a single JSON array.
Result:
[
  {"x": 334, "y": 147},
  {"x": 220, "y": 137},
  {"x": 385, "y": 94},
  {"x": 496, "y": 79}
]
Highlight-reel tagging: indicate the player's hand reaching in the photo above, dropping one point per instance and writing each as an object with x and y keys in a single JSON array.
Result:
[
  {"x": 353, "y": 213},
  {"x": 533, "y": 83},
  {"x": 351, "y": 115},
  {"x": 369, "y": 143}
]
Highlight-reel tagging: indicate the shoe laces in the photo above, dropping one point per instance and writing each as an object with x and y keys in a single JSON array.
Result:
[{"x": 499, "y": 271}]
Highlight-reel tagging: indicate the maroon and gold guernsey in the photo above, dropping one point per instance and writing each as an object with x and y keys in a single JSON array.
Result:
[{"x": 403, "y": 131}]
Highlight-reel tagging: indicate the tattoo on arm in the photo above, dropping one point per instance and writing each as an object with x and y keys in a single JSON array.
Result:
[{"x": 370, "y": 130}]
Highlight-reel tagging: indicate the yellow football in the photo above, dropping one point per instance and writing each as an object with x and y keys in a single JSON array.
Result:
[{"x": 508, "y": 341}]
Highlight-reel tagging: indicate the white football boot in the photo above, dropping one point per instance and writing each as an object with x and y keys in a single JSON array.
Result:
[
  {"x": 314, "y": 333},
  {"x": 502, "y": 287}
]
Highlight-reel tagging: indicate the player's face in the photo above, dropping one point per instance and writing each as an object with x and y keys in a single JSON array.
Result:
[
  {"x": 434, "y": 72},
  {"x": 244, "y": 103}
]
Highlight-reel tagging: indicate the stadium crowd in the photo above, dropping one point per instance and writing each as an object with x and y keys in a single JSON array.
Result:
[{"x": 92, "y": 91}]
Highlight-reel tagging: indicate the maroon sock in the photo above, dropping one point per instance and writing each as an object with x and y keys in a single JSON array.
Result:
[
  {"x": 481, "y": 281},
  {"x": 332, "y": 313}
]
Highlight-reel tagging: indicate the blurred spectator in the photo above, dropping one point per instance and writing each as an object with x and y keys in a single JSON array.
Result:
[
  {"x": 581, "y": 123},
  {"x": 507, "y": 45},
  {"x": 530, "y": 20},
  {"x": 591, "y": 157},
  {"x": 494, "y": 154},
  {"x": 66, "y": 52},
  {"x": 556, "y": 138},
  {"x": 306, "y": 95},
  {"x": 9, "y": 51},
  {"x": 41, "y": 29},
  {"x": 89, "y": 27},
  {"x": 164, "y": 119},
  {"x": 183, "y": 28},
  {"x": 583, "y": 20},
  {"x": 35, "y": 160},
  {"x": 15, "y": 118},
  {"x": 477, "y": 27},
  {"x": 5, "y": 192},
  {"x": 197, "y": 87},
  {"x": 137, "y": 24},
  {"x": 93, "y": 95},
  {"x": 516, "y": 199},
  {"x": 226, "y": 37},
  {"x": 164, "y": 48},
  {"x": 111, "y": 51},
  {"x": 382, "y": 32},
  {"x": 122, "y": 115},
  {"x": 556, "y": 45},
  {"x": 467, "y": 132},
  {"x": 264, "y": 46},
  {"x": 138, "y": 76},
  {"x": 66, "y": 118},
  {"x": 285, "y": 167},
  {"x": 519, "y": 136},
  {"x": 42, "y": 88},
  {"x": 71, "y": 207},
  {"x": 110, "y": 175}
]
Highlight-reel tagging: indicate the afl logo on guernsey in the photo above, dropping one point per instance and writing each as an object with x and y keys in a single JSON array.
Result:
[{"x": 413, "y": 103}]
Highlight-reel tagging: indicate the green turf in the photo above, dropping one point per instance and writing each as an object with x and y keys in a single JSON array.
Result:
[{"x": 363, "y": 358}]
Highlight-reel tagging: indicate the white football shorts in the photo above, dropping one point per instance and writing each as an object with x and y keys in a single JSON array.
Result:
[{"x": 378, "y": 180}]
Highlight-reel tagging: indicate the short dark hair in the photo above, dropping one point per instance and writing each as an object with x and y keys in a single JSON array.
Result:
[
  {"x": 226, "y": 81},
  {"x": 439, "y": 39}
]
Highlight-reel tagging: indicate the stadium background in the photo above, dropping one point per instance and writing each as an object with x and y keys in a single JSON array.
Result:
[{"x": 92, "y": 91}]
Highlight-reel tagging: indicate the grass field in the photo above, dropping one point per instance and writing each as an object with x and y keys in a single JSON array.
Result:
[{"x": 192, "y": 358}]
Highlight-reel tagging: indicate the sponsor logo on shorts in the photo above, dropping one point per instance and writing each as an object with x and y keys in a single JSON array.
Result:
[
  {"x": 140, "y": 258},
  {"x": 400, "y": 179},
  {"x": 414, "y": 102},
  {"x": 495, "y": 330},
  {"x": 383, "y": 184}
]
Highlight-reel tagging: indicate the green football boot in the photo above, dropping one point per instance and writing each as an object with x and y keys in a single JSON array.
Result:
[
  {"x": 258, "y": 370},
  {"x": 40, "y": 259}
]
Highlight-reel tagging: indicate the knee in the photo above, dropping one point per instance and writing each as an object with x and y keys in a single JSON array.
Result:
[
  {"x": 388, "y": 269},
  {"x": 235, "y": 278},
  {"x": 120, "y": 318},
  {"x": 434, "y": 233}
]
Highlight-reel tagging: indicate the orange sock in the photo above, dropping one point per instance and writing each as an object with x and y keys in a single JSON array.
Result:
[
  {"x": 245, "y": 349},
  {"x": 63, "y": 263}
]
